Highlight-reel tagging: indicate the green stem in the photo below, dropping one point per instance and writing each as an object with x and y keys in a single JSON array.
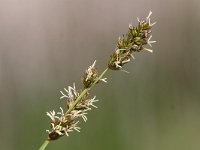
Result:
[
  {"x": 44, "y": 145},
  {"x": 77, "y": 100}
]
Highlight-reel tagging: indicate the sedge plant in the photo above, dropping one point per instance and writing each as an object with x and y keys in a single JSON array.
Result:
[{"x": 78, "y": 101}]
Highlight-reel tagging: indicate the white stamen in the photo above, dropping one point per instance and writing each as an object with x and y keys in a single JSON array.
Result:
[
  {"x": 150, "y": 42},
  {"x": 138, "y": 19},
  {"x": 93, "y": 65},
  {"x": 125, "y": 71},
  {"x": 60, "y": 133},
  {"x": 150, "y": 13},
  {"x": 83, "y": 115},
  {"x": 130, "y": 26},
  {"x": 51, "y": 114},
  {"x": 66, "y": 133},
  {"x": 104, "y": 80},
  {"x": 149, "y": 50},
  {"x": 132, "y": 56}
]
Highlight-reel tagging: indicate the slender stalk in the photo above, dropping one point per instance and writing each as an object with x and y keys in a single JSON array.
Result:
[
  {"x": 44, "y": 145},
  {"x": 101, "y": 75},
  {"x": 77, "y": 100}
]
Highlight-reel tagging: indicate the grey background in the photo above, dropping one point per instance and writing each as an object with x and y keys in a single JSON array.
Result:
[{"x": 45, "y": 45}]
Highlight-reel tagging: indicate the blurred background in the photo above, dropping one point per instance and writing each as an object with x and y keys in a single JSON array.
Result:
[{"x": 46, "y": 45}]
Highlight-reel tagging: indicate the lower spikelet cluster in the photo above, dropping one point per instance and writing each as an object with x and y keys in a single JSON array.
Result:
[
  {"x": 134, "y": 41},
  {"x": 64, "y": 122}
]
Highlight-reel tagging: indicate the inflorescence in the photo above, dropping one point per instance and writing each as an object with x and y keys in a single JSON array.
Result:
[
  {"x": 78, "y": 101},
  {"x": 134, "y": 41}
]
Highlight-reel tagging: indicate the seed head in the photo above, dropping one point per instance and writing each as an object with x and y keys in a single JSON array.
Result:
[{"x": 134, "y": 41}]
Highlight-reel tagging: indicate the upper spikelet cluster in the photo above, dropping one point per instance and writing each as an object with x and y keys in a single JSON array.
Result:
[{"x": 134, "y": 41}]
